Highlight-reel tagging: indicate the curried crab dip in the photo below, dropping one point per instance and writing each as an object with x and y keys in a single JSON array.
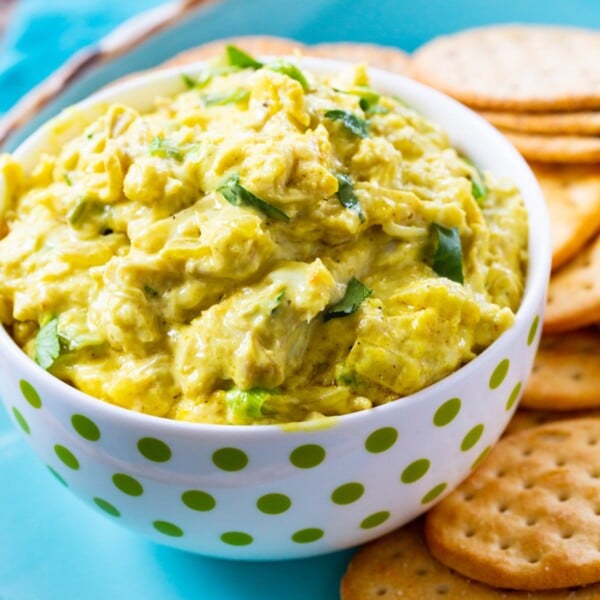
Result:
[{"x": 266, "y": 246}]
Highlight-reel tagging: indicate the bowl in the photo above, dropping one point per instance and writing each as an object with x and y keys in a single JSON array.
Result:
[{"x": 284, "y": 491}]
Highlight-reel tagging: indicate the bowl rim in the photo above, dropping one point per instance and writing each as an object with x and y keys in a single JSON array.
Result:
[{"x": 536, "y": 279}]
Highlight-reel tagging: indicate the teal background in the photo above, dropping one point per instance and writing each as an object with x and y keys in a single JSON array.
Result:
[{"x": 51, "y": 545}]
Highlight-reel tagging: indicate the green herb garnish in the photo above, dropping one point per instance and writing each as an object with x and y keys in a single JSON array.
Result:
[
  {"x": 277, "y": 301},
  {"x": 236, "y": 95},
  {"x": 291, "y": 70},
  {"x": 47, "y": 344},
  {"x": 84, "y": 209},
  {"x": 160, "y": 147},
  {"x": 347, "y": 196},
  {"x": 356, "y": 293},
  {"x": 238, "y": 58},
  {"x": 246, "y": 404},
  {"x": 350, "y": 121},
  {"x": 237, "y": 195},
  {"x": 67, "y": 179},
  {"x": 190, "y": 82},
  {"x": 447, "y": 259},
  {"x": 478, "y": 188}
]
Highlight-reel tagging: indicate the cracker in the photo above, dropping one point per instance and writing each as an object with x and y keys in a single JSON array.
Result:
[
  {"x": 253, "y": 44},
  {"x": 380, "y": 57},
  {"x": 566, "y": 372},
  {"x": 399, "y": 565},
  {"x": 572, "y": 194},
  {"x": 515, "y": 67},
  {"x": 556, "y": 148},
  {"x": 575, "y": 123},
  {"x": 574, "y": 292},
  {"x": 526, "y": 419},
  {"x": 529, "y": 517}
]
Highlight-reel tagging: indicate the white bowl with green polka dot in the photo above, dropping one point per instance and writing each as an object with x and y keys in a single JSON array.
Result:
[{"x": 271, "y": 492}]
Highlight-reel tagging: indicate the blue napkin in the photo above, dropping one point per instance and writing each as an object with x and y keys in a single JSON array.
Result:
[{"x": 42, "y": 35}]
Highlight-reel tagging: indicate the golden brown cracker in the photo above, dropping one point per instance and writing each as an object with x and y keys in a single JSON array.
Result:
[
  {"x": 526, "y": 419},
  {"x": 556, "y": 148},
  {"x": 381, "y": 57},
  {"x": 572, "y": 193},
  {"x": 574, "y": 123},
  {"x": 529, "y": 517},
  {"x": 399, "y": 565},
  {"x": 253, "y": 44},
  {"x": 566, "y": 372},
  {"x": 574, "y": 292},
  {"x": 515, "y": 67}
]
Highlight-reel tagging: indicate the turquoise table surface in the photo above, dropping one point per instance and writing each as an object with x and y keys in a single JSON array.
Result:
[{"x": 52, "y": 547}]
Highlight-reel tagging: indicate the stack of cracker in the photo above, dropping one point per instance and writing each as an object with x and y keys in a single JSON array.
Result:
[{"x": 526, "y": 523}]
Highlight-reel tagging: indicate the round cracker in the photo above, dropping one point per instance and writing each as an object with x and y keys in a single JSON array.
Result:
[
  {"x": 526, "y": 419},
  {"x": 252, "y": 44},
  {"x": 399, "y": 565},
  {"x": 572, "y": 193},
  {"x": 574, "y": 123},
  {"x": 556, "y": 148},
  {"x": 566, "y": 372},
  {"x": 528, "y": 517},
  {"x": 380, "y": 57},
  {"x": 574, "y": 292},
  {"x": 515, "y": 67}
]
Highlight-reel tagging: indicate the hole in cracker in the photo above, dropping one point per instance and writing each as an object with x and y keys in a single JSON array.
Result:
[
  {"x": 421, "y": 571},
  {"x": 597, "y": 510},
  {"x": 502, "y": 507},
  {"x": 576, "y": 375},
  {"x": 530, "y": 521},
  {"x": 528, "y": 484},
  {"x": 396, "y": 555},
  {"x": 595, "y": 473},
  {"x": 567, "y": 534},
  {"x": 560, "y": 462},
  {"x": 592, "y": 441},
  {"x": 442, "y": 589},
  {"x": 500, "y": 473},
  {"x": 532, "y": 560},
  {"x": 504, "y": 545},
  {"x": 468, "y": 496},
  {"x": 563, "y": 496},
  {"x": 470, "y": 532},
  {"x": 527, "y": 451},
  {"x": 382, "y": 591}
]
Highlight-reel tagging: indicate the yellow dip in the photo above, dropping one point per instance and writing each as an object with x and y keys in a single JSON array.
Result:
[{"x": 264, "y": 247}]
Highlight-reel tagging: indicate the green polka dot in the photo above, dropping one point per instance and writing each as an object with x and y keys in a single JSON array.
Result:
[
  {"x": 58, "y": 477},
  {"x": 513, "y": 396},
  {"x": 85, "y": 427},
  {"x": 20, "y": 419},
  {"x": 154, "y": 450},
  {"x": 533, "y": 330},
  {"x": 30, "y": 394},
  {"x": 499, "y": 374},
  {"x": 471, "y": 438},
  {"x": 273, "y": 504},
  {"x": 381, "y": 439},
  {"x": 230, "y": 459},
  {"x": 198, "y": 500},
  {"x": 306, "y": 536},
  {"x": 237, "y": 538},
  {"x": 446, "y": 412},
  {"x": 348, "y": 493},
  {"x": 167, "y": 528},
  {"x": 480, "y": 458},
  {"x": 67, "y": 457},
  {"x": 127, "y": 484},
  {"x": 433, "y": 493},
  {"x": 107, "y": 507},
  {"x": 415, "y": 470},
  {"x": 307, "y": 456},
  {"x": 375, "y": 519}
]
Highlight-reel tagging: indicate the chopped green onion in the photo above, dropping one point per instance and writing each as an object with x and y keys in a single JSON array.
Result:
[
  {"x": 447, "y": 260},
  {"x": 291, "y": 70},
  {"x": 347, "y": 196},
  {"x": 237, "y": 195},
  {"x": 84, "y": 209},
  {"x": 350, "y": 121},
  {"x": 162, "y": 148},
  {"x": 221, "y": 99},
  {"x": 246, "y": 404},
  {"x": 67, "y": 179},
  {"x": 356, "y": 293},
  {"x": 189, "y": 81},
  {"x": 47, "y": 344},
  {"x": 238, "y": 58}
]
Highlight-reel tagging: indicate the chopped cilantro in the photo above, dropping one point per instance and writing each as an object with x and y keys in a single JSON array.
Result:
[
  {"x": 447, "y": 260},
  {"x": 350, "y": 121},
  {"x": 237, "y": 195},
  {"x": 356, "y": 294},
  {"x": 346, "y": 195}
]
